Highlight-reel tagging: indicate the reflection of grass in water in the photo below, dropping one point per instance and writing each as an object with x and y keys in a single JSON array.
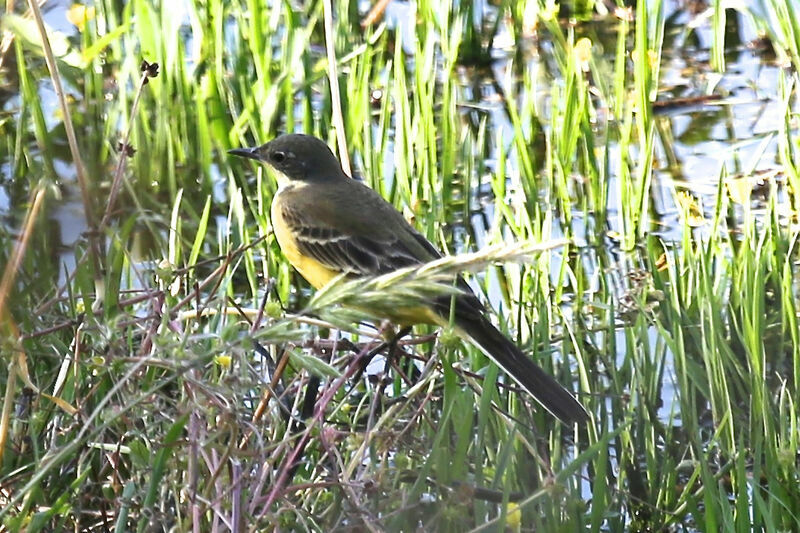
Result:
[{"x": 164, "y": 379}]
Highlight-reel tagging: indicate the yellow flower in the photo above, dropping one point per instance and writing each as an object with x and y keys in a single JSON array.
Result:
[
  {"x": 79, "y": 15},
  {"x": 224, "y": 361}
]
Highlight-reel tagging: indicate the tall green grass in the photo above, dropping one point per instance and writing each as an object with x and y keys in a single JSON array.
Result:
[{"x": 133, "y": 383}]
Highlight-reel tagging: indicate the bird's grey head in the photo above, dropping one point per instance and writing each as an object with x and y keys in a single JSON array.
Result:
[{"x": 296, "y": 157}]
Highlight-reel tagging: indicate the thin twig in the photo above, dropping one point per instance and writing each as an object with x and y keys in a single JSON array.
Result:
[
  {"x": 80, "y": 169},
  {"x": 125, "y": 150},
  {"x": 327, "y": 396},
  {"x": 13, "y": 266},
  {"x": 266, "y": 396},
  {"x": 375, "y": 13}
]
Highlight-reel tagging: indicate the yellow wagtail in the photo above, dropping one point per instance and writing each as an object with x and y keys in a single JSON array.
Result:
[{"x": 328, "y": 224}]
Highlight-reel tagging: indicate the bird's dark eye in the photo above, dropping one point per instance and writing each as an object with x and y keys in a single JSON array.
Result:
[{"x": 278, "y": 157}]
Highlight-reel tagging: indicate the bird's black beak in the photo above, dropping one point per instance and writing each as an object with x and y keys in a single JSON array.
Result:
[{"x": 248, "y": 153}]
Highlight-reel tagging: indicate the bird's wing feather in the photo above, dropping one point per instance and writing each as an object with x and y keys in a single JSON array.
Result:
[{"x": 344, "y": 252}]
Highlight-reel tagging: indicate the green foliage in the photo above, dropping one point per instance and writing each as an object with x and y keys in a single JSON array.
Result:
[{"x": 136, "y": 361}]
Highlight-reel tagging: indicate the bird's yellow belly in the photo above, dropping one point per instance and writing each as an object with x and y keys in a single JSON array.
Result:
[{"x": 317, "y": 274}]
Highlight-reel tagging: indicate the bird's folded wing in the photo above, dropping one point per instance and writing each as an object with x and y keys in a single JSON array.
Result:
[
  {"x": 344, "y": 252},
  {"x": 359, "y": 255}
]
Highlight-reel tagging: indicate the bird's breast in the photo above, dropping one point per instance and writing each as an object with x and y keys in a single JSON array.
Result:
[{"x": 317, "y": 274}]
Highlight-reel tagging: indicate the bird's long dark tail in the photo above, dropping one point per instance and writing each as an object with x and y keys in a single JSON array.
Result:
[{"x": 545, "y": 390}]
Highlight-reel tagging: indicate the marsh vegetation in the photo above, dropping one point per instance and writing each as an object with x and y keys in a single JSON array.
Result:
[{"x": 166, "y": 369}]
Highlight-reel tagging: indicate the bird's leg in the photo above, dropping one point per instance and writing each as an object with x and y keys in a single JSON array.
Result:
[
  {"x": 384, "y": 380},
  {"x": 391, "y": 353},
  {"x": 391, "y": 344},
  {"x": 298, "y": 425}
]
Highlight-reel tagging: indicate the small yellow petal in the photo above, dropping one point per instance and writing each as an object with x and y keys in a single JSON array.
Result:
[
  {"x": 79, "y": 15},
  {"x": 224, "y": 361}
]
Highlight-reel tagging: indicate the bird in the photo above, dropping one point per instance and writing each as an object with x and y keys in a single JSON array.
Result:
[{"x": 328, "y": 224}]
